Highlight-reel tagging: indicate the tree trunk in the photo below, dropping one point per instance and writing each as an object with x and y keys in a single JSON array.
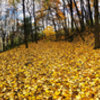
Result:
[
  {"x": 82, "y": 15},
  {"x": 25, "y": 33},
  {"x": 71, "y": 12},
  {"x": 97, "y": 26},
  {"x": 32, "y": 36},
  {"x": 79, "y": 16},
  {"x": 3, "y": 40},
  {"x": 12, "y": 37},
  {"x": 85, "y": 16},
  {"x": 90, "y": 12}
]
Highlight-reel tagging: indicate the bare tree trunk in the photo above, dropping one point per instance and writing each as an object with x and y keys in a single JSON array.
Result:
[
  {"x": 25, "y": 33},
  {"x": 71, "y": 12},
  {"x": 3, "y": 40},
  {"x": 90, "y": 12},
  {"x": 12, "y": 37},
  {"x": 97, "y": 26},
  {"x": 85, "y": 16},
  {"x": 80, "y": 16}
]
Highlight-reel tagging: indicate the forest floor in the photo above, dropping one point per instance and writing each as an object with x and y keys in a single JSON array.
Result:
[{"x": 51, "y": 71}]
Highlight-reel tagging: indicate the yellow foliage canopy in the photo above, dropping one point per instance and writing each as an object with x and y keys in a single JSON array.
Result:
[{"x": 49, "y": 30}]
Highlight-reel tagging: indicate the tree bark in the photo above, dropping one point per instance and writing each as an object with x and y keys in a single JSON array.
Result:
[
  {"x": 80, "y": 17},
  {"x": 25, "y": 33},
  {"x": 32, "y": 36},
  {"x": 97, "y": 26},
  {"x": 3, "y": 40},
  {"x": 71, "y": 12},
  {"x": 90, "y": 12}
]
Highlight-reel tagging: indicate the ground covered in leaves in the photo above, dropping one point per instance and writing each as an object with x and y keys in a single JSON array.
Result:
[{"x": 50, "y": 71}]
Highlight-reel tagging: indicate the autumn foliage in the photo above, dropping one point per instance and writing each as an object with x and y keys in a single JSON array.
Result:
[
  {"x": 49, "y": 30},
  {"x": 51, "y": 71}
]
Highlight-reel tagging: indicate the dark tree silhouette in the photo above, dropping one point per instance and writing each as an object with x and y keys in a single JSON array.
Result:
[
  {"x": 25, "y": 33},
  {"x": 97, "y": 26}
]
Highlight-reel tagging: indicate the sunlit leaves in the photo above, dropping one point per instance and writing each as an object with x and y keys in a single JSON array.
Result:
[{"x": 49, "y": 30}]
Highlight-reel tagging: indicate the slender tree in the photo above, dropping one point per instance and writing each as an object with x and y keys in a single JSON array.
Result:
[
  {"x": 30, "y": 12},
  {"x": 97, "y": 26},
  {"x": 25, "y": 33},
  {"x": 71, "y": 13},
  {"x": 65, "y": 23},
  {"x": 90, "y": 12}
]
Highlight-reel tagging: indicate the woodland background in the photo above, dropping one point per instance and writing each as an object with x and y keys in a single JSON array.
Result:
[{"x": 22, "y": 21}]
